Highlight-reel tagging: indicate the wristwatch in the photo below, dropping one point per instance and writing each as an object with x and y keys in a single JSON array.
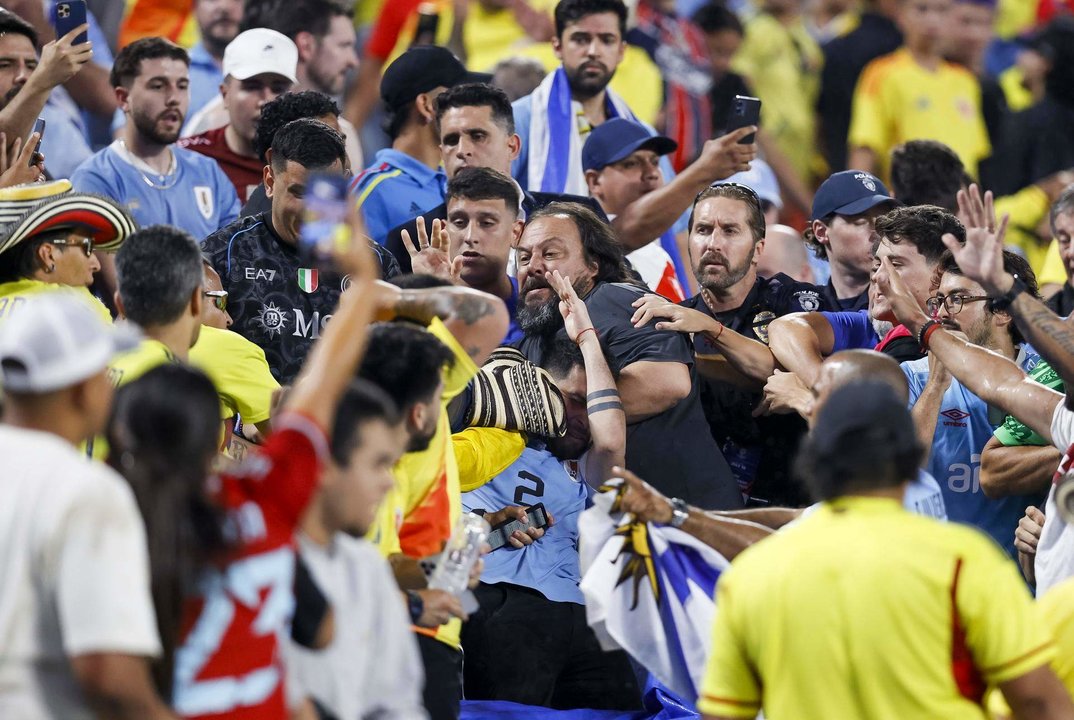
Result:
[
  {"x": 1003, "y": 302},
  {"x": 679, "y": 512}
]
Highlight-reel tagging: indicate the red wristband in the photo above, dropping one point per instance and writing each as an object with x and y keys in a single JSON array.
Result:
[
  {"x": 928, "y": 334},
  {"x": 578, "y": 341}
]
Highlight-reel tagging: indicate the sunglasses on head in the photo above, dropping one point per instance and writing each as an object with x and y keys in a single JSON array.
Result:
[
  {"x": 219, "y": 298},
  {"x": 738, "y": 186},
  {"x": 85, "y": 243}
]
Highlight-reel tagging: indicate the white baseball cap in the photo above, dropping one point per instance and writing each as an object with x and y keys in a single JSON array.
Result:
[
  {"x": 258, "y": 51},
  {"x": 57, "y": 340}
]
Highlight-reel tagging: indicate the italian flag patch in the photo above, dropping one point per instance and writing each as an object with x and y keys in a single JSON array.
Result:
[{"x": 307, "y": 279}]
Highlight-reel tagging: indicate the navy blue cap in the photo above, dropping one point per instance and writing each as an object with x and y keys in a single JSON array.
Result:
[
  {"x": 617, "y": 138},
  {"x": 850, "y": 192},
  {"x": 858, "y": 406}
]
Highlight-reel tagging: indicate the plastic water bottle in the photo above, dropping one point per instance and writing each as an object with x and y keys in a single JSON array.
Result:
[{"x": 452, "y": 572}]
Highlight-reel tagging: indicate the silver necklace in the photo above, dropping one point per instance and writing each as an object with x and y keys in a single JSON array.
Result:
[{"x": 145, "y": 178}]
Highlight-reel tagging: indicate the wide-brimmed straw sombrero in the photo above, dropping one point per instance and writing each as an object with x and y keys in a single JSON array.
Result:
[{"x": 29, "y": 210}]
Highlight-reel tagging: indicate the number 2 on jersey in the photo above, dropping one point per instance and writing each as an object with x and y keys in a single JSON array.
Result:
[{"x": 522, "y": 491}]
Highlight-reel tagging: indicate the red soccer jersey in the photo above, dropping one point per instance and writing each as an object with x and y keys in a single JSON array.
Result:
[
  {"x": 245, "y": 173},
  {"x": 229, "y": 661}
]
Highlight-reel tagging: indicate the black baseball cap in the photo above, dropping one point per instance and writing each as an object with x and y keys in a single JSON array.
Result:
[
  {"x": 419, "y": 70},
  {"x": 850, "y": 192},
  {"x": 617, "y": 138},
  {"x": 858, "y": 406}
]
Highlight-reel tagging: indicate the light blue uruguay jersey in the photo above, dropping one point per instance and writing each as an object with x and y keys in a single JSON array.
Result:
[
  {"x": 963, "y": 426},
  {"x": 550, "y": 565},
  {"x": 197, "y": 196}
]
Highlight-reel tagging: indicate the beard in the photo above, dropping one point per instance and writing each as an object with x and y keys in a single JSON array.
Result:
[
  {"x": 148, "y": 128},
  {"x": 584, "y": 86},
  {"x": 331, "y": 85},
  {"x": 543, "y": 319},
  {"x": 421, "y": 441},
  {"x": 882, "y": 328},
  {"x": 716, "y": 274},
  {"x": 218, "y": 34}
]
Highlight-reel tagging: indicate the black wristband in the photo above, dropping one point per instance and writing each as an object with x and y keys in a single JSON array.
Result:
[
  {"x": 415, "y": 604},
  {"x": 1004, "y": 301},
  {"x": 922, "y": 330}
]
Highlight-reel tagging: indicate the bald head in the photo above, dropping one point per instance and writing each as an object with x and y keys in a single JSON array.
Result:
[
  {"x": 784, "y": 252},
  {"x": 855, "y": 365}
]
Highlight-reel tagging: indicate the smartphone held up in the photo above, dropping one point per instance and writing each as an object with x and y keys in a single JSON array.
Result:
[
  {"x": 745, "y": 111},
  {"x": 68, "y": 15},
  {"x": 326, "y": 232}
]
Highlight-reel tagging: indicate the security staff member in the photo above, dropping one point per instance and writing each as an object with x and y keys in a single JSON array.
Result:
[{"x": 727, "y": 230}]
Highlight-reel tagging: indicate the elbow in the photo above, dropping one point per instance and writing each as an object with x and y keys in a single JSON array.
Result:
[{"x": 992, "y": 484}]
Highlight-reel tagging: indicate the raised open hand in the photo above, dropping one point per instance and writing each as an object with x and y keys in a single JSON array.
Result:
[
  {"x": 981, "y": 258},
  {"x": 429, "y": 255},
  {"x": 575, "y": 314}
]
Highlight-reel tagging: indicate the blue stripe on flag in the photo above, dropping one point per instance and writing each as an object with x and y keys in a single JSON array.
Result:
[{"x": 560, "y": 117}]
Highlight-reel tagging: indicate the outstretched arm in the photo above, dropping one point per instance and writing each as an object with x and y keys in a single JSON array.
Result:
[
  {"x": 476, "y": 319},
  {"x": 750, "y": 358},
  {"x": 800, "y": 342},
  {"x": 334, "y": 358}
]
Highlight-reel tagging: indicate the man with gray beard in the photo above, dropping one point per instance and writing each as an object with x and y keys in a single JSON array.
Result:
[{"x": 668, "y": 441}]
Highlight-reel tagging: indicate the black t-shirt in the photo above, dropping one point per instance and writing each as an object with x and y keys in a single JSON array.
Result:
[
  {"x": 844, "y": 59},
  {"x": 673, "y": 451},
  {"x": 1062, "y": 303},
  {"x": 530, "y": 203},
  {"x": 1037, "y": 142},
  {"x": 759, "y": 450},
  {"x": 831, "y": 297},
  {"x": 276, "y": 302}
]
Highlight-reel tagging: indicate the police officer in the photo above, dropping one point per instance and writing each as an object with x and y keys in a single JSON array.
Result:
[
  {"x": 405, "y": 180},
  {"x": 841, "y": 232},
  {"x": 727, "y": 231}
]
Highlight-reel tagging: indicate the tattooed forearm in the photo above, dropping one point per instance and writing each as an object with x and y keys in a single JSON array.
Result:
[
  {"x": 470, "y": 308},
  {"x": 601, "y": 407},
  {"x": 598, "y": 394}
]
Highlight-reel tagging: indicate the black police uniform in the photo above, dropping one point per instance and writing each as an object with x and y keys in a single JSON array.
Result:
[{"x": 759, "y": 450}]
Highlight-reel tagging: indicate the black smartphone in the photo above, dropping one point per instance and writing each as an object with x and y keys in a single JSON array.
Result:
[
  {"x": 39, "y": 127},
  {"x": 745, "y": 111},
  {"x": 428, "y": 24},
  {"x": 68, "y": 15},
  {"x": 325, "y": 230},
  {"x": 537, "y": 517}
]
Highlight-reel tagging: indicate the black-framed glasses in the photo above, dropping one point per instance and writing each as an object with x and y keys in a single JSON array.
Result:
[
  {"x": 219, "y": 298},
  {"x": 85, "y": 243},
  {"x": 754, "y": 198},
  {"x": 953, "y": 303}
]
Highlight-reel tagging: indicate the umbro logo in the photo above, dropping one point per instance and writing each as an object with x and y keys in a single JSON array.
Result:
[{"x": 954, "y": 417}]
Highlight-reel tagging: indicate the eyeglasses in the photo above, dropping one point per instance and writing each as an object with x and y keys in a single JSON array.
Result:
[
  {"x": 754, "y": 198},
  {"x": 219, "y": 298},
  {"x": 85, "y": 243},
  {"x": 953, "y": 303}
]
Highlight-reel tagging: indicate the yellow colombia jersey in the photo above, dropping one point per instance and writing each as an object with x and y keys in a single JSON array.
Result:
[
  {"x": 239, "y": 371},
  {"x": 909, "y": 621},
  {"x": 898, "y": 100},
  {"x": 126, "y": 368},
  {"x": 418, "y": 515},
  {"x": 15, "y": 293},
  {"x": 782, "y": 65}
]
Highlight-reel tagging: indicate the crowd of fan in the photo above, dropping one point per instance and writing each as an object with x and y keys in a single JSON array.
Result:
[{"x": 227, "y": 472}]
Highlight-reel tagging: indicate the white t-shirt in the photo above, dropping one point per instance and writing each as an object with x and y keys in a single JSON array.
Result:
[
  {"x": 1054, "y": 562},
  {"x": 373, "y": 667},
  {"x": 74, "y": 570}
]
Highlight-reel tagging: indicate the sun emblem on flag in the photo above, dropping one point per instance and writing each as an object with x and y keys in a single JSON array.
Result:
[{"x": 272, "y": 319}]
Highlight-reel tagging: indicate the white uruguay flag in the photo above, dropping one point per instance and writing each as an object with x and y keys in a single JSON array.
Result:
[{"x": 649, "y": 589}]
